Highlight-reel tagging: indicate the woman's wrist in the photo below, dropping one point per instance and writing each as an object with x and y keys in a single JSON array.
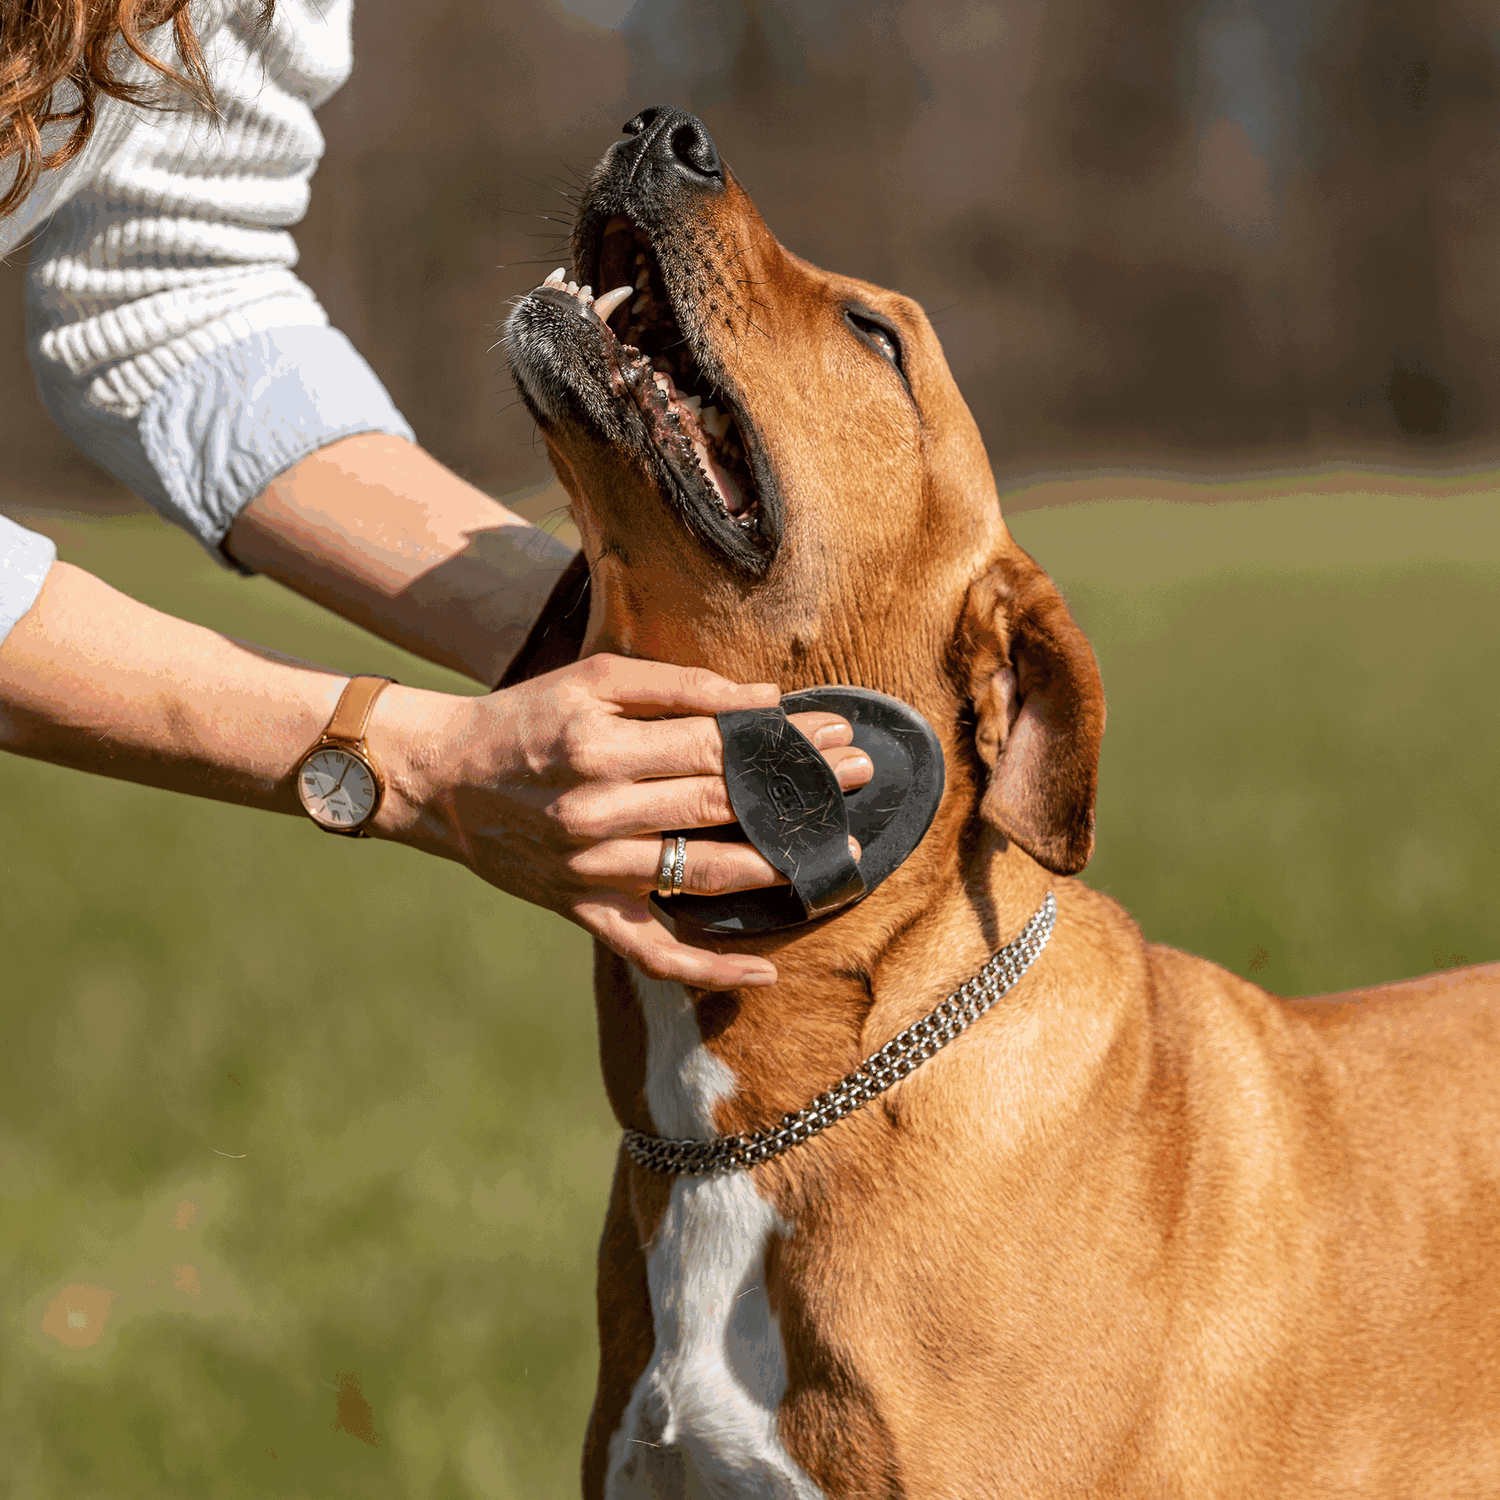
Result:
[{"x": 413, "y": 737}]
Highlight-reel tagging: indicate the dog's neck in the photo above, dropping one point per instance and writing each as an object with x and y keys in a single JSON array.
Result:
[
  {"x": 846, "y": 985},
  {"x": 849, "y": 983}
]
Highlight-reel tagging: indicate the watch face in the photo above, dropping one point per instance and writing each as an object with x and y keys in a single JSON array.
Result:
[{"x": 336, "y": 788}]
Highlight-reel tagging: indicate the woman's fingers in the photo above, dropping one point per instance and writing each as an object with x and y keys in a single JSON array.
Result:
[
  {"x": 642, "y": 750},
  {"x": 709, "y": 868},
  {"x": 629, "y": 928},
  {"x": 826, "y": 731},
  {"x": 592, "y": 812},
  {"x": 653, "y": 687}
]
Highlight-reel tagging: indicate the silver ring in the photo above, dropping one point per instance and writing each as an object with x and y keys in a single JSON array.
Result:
[
  {"x": 677, "y": 867},
  {"x": 664, "y": 873}
]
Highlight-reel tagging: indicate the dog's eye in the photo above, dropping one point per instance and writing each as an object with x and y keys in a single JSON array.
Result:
[
  {"x": 885, "y": 343},
  {"x": 880, "y": 336}
]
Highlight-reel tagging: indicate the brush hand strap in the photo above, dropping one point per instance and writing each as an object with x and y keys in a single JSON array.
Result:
[{"x": 790, "y": 806}]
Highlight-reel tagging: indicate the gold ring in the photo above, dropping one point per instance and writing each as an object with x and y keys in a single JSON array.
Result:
[
  {"x": 677, "y": 866},
  {"x": 664, "y": 873}
]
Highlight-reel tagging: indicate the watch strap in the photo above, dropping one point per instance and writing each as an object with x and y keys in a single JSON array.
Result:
[{"x": 347, "y": 725}]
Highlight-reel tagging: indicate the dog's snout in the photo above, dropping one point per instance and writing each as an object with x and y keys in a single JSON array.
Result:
[{"x": 672, "y": 139}]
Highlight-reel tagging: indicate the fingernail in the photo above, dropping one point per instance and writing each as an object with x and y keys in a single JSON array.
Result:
[
  {"x": 854, "y": 850},
  {"x": 761, "y": 690},
  {"x": 831, "y": 736},
  {"x": 756, "y": 975},
  {"x": 854, "y": 765}
]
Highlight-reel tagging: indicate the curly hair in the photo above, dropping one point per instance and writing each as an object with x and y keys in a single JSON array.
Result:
[{"x": 44, "y": 43}]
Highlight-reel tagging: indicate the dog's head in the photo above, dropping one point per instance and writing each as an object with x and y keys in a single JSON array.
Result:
[{"x": 774, "y": 476}]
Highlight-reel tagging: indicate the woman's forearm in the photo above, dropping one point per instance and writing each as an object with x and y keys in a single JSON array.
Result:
[
  {"x": 92, "y": 679},
  {"x": 380, "y": 532}
]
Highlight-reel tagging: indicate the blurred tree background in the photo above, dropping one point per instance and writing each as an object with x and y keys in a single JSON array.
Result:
[
  {"x": 1174, "y": 234},
  {"x": 303, "y": 1151}
]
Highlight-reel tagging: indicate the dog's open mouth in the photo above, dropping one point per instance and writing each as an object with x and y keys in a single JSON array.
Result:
[
  {"x": 690, "y": 420},
  {"x": 687, "y": 420}
]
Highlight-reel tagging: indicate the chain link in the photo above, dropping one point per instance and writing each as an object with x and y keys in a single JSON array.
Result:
[{"x": 900, "y": 1056}]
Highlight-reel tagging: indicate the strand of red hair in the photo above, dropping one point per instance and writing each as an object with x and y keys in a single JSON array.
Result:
[{"x": 45, "y": 44}]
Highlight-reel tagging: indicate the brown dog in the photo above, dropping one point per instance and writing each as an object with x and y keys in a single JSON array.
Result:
[{"x": 1143, "y": 1230}]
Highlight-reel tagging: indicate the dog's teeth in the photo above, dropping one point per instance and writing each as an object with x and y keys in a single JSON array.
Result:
[
  {"x": 693, "y": 403},
  {"x": 556, "y": 278},
  {"x": 585, "y": 295},
  {"x": 666, "y": 385},
  {"x": 643, "y": 280},
  {"x": 714, "y": 421},
  {"x": 572, "y": 288},
  {"x": 640, "y": 305},
  {"x": 606, "y": 304}
]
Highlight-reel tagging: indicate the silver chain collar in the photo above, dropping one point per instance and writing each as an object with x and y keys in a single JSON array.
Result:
[{"x": 900, "y": 1056}]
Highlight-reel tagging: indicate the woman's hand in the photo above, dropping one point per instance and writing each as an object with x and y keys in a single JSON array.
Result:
[{"x": 559, "y": 791}]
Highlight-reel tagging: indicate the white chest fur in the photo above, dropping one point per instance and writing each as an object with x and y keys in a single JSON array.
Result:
[{"x": 702, "y": 1419}]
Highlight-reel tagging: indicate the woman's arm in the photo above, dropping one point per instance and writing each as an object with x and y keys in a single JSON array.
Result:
[
  {"x": 378, "y": 531},
  {"x": 171, "y": 339},
  {"x": 92, "y": 679},
  {"x": 555, "y": 790}
]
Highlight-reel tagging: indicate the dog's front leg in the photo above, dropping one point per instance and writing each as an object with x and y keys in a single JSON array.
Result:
[{"x": 626, "y": 1336}]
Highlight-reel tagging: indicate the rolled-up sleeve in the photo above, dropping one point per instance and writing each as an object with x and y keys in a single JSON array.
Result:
[
  {"x": 205, "y": 443},
  {"x": 168, "y": 333},
  {"x": 26, "y": 557}
]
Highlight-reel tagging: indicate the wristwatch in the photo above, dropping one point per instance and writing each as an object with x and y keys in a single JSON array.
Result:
[{"x": 339, "y": 785}]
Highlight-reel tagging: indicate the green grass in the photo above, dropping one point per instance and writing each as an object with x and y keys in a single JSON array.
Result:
[
  {"x": 1298, "y": 778},
  {"x": 397, "y": 1063}
]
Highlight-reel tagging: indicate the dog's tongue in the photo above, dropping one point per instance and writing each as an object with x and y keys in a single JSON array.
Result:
[{"x": 722, "y": 480}]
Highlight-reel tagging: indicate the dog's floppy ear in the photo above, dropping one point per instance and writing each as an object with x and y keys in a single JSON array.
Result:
[
  {"x": 557, "y": 637},
  {"x": 1039, "y": 712}
]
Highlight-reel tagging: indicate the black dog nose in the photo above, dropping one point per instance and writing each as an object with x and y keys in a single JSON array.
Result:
[{"x": 674, "y": 138}]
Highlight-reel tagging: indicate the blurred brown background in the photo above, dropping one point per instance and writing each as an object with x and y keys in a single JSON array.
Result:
[{"x": 1160, "y": 235}]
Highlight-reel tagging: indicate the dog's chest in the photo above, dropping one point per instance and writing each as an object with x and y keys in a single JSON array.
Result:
[{"x": 702, "y": 1418}]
